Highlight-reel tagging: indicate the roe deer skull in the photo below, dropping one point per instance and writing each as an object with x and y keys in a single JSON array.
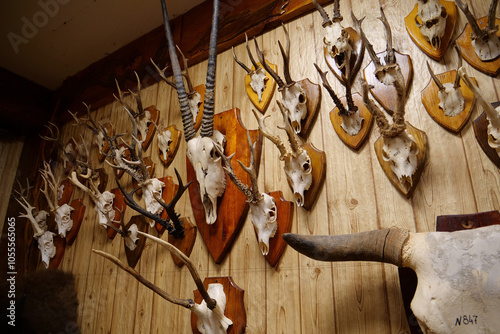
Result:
[
  {"x": 47, "y": 247},
  {"x": 432, "y": 23}
]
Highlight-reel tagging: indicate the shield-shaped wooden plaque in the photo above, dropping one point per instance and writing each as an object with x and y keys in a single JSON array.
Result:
[
  {"x": 60, "y": 244},
  {"x": 77, "y": 216},
  {"x": 480, "y": 125},
  {"x": 105, "y": 149},
  {"x": 354, "y": 142},
  {"x": 285, "y": 219},
  {"x": 421, "y": 140},
  {"x": 167, "y": 195},
  {"x": 155, "y": 117},
  {"x": 313, "y": 93},
  {"x": 119, "y": 207},
  {"x": 386, "y": 95},
  {"x": 267, "y": 94},
  {"x": 67, "y": 190},
  {"x": 232, "y": 207},
  {"x": 419, "y": 39},
  {"x": 430, "y": 101},
  {"x": 235, "y": 304},
  {"x": 357, "y": 54},
  {"x": 318, "y": 162},
  {"x": 134, "y": 256},
  {"x": 201, "y": 90},
  {"x": 491, "y": 68},
  {"x": 173, "y": 147},
  {"x": 185, "y": 244}
]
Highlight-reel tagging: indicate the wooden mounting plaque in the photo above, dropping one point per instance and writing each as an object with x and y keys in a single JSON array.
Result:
[
  {"x": 386, "y": 95},
  {"x": 150, "y": 165},
  {"x": 421, "y": 140},
  {"x": 235, "y": 304},
  {"x": 77, "y": 216},
  {"x": 173, "y": 147},
  {"x": 118, "y": 205},
  {"x": 318, "y": 163},
  {"x": 201, "y": 90},
  {"x": 167, "y": 195},
  {"x": 185, "y": 244},
  {"x": 313, "y": 93},
  {"x": 105, "y": 149},
  {"x": 480, "y": 125},
  {"x": 67, "y": 187},
  {"x": 232, "y": 207},
  {"x": 155, "y": 117},
  {"x": 491, "y": 68},
  {"x": 60, "y": 244},
  {"x": 357, "y": 55},
  {"x": 134, "y": 256},
  {"x": 268, "y": 92},
  {"x": 354, "y": 142},
  {"x": 419, "y": 39},
  {"x": 430, "y": 101},
  {"x": 285, "y": 219},
  {"x": 103, "y": 179}
]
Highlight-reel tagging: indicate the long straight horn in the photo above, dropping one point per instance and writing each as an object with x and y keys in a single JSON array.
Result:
[
  {"x": 378, "y": 245},
  {"x": 286, "y": 58},
  {"x": 187, "y": 118},
  {"x": 207, "y": 125},
  {"x": 266, "y": 66}
]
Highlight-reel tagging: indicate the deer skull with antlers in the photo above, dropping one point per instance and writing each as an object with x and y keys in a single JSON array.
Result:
[
  {"x": 202, "y": 150},
  {"x": 485, "y": 41},
  {"x": 263, "y": 210},
  {"x": 164, "y": 140},
  {"x": 431, "y": 19}
]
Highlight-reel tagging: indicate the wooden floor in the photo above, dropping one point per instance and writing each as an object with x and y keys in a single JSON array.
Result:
[{"x": 300, "y": 295}]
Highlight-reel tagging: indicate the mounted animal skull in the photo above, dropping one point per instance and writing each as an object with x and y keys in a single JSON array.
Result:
[
  {"x": 164, "y": 140},
  {"x": 210, "y": 312},
  {"x": 492, "y": 114},
  {"x": 431, "y": 19},
  {"x": 294, "y": 98},
  {"x": 90, "y": 124},
  {"x": 298, "y": 167},
  {"x": 457, "y": 271},
  {"x": 336, "y": 37},
  {"x": 263, "y": 210},
  {"x": 257, "y": 75},
  {"x": 47, "y": 247},
  {"x": 485, "y": 41},
  {"x": 202, "y": 150},
  {"x": 451, "y": 100},
  {"x": 39, "y": 220},
  {"x": 400, "y": 148}
]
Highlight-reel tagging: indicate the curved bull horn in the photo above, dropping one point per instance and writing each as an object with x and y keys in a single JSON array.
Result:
[{"x": 378, "y": 245}]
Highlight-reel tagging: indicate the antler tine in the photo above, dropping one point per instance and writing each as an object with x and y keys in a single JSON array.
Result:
[
  {"x": 162, "y": 75},
  {"x": 398, "y": 117},
  {"x": 380, "y": 118},
  {"x": 137, "y": 96},
  {"x": 286, "y": 58},
  {"x": 329, "y": 89},
  {"x": 74, "y": 179},
  {"x": 50, "y": 186},
  {"x": 433, "y": 76},
  {"x": 478, "y": 32},
  {"x": 336, "y": 12},
  {"x": 185, "y": 72},
  {"x": 275, "y": 140},
  {"x": 89, "y": 117},
  {"x": 54, "y": 132},
  {"x": 228, "y": 168},
  {"x": 251, "y": 171},
  {"x": 243, "y": 66},
  {"x": 294, "y": 144},
  {"x": 324, "y": 15},
  {"x": 187, "y": 118},
  {"x": 492, "y": 14},
  {"x": 252, "y": 60},
  {"x": 488, "y": 108},
  {"x": 268, "y": 68},
  {"x": 124, "y": 104},
  {"x": 207, "y": 123},
  {"x": 389, "y": 57},
  {"x": 457, "y": 79},
  {"x": 365, "y": 40}
]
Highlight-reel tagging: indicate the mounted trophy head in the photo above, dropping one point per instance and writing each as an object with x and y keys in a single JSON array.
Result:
[
  {"x": 431, "y": 19},
  {"x": 47, "y": 247},
  {"x": 202, "y": 150},
  {"x": 485, "y": 41},
  {"x": 294, "y": 97},
  {"x": 164, "y": 140}
]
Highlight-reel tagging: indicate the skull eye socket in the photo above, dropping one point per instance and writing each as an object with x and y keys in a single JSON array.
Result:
[
  {"x": 214, "y": 154},
  {"x": 302, "y": 98},
  {"x": 306, "y": 166}
]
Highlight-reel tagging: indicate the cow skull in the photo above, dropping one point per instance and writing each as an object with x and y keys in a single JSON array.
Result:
[
  {"x": 63, "y": 219},
  {"x": 47, "y": 247},
  {"x": 431, "y": 19}
]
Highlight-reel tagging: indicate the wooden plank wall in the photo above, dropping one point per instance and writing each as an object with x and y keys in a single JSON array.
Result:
[{"x": 299, "y": 295}]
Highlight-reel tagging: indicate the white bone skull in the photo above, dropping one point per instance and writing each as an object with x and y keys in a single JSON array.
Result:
[
  {"x": 337, "y": 41},
  {"x": 212, "y": 321},
  {"x": 206, "y": 163},
  {"x": 99, "y": 140},
  {"x": 294, "y": 100},
  {"x": 352, "y": 123},
  {"x": 433, "y": 21},
  {"x": 164, "y": 140},
  {"x": 41, "y": 221},
  {"x": 63, "y": 219},
  {"x": 150, "y": 188},
  {"x": 104, "y": 208},
  {"x": 142, "y": 124},
  {"x": 47, "y": 247},
  {"x": 194, "y": 104},
  {"x": 487, "y": 49},
  {"x": 298, "y": 170},
  {"x": 263, "y": 215},
  {"x": 451, "y": 100},
  {"x": 258, "y": 81},
  {"x": 130, "y": 240},
  {"x": 401, "y": 151}
]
